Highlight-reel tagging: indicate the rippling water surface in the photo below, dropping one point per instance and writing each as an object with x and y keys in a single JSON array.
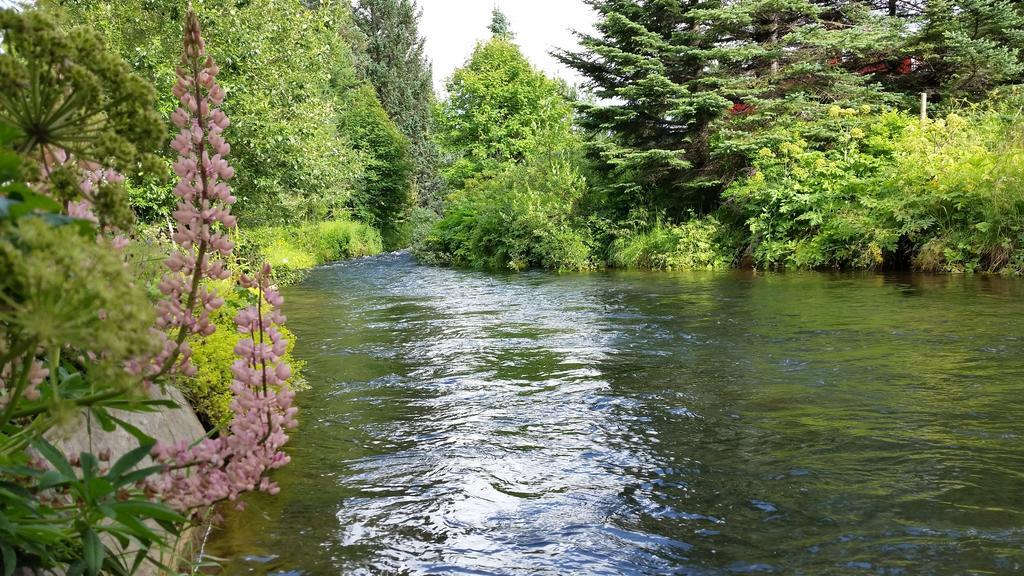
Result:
[{"x": 466, "y": 423}]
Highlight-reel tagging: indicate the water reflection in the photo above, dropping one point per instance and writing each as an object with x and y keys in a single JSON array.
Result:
[{"x": 647, "y": 424}]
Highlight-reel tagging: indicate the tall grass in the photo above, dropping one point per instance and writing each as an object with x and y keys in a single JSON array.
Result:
[
  {"x": 698, "y": 244},
  {"x": 292, "y": 250}
]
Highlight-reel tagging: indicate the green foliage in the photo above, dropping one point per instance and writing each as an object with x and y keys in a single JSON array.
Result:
[
  {"x": 666, "y": 74},
  {"x": 500, "y": 26},
  {"x": 396, "y": 65},
  {"x": 947, "y": 195},
  {"x": 497, "y": 106},
  {"x": 384, "y": 197},
  {"x": 957, "y": 190},
  {"x": 700, "y": 243},
  {"x": 209, "y": 391},
  {"x": 523, "y": 216},
  {"x": 966, "y": 48},
  {"x": 289, "y": 72},
  {"x": 67, "y": 96},
  {"x": 71, "y": 317},
  {"x": 71, "y": 306},
  {"x": 517, "y": 165},
  {"x": 38, "y": 261},
  {"x": 806, "y": 203},
  {"x": 421, "y": 223},
  {"x": 293, "y": 250}
]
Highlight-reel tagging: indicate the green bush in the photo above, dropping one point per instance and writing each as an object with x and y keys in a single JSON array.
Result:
[
  {"x": 521, "y": 217},
  {"x": 956, "y": 192},
  {"x": 498, "y": 105},
  {"x": 885, "y": 189},
  {"x": 293, "y": 250},
  {"x": 421, "y": 223},
  {"x": 384, "y": 197},
  {"x": 810, "y": 202},
  {"x": 702, "y": 243}
]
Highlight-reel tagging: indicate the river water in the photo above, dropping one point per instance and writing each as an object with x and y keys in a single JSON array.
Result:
[{"x": 627, "y": 423}]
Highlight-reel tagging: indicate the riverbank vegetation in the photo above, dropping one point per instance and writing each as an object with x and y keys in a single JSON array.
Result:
[
  {"x": 90, "y": 330},
  {"x": 312, "y": 140},
  {"x": 745, "y": 134},
  {"x": 785, "y": 137}
]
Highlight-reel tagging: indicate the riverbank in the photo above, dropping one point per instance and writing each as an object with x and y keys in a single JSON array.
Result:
[
  {"x": 293, "y": 250},
  {"x": 862, "y": 188}
]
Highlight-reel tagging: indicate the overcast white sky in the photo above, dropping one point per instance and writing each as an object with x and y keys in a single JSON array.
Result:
[{"x": 452, "y": 28}]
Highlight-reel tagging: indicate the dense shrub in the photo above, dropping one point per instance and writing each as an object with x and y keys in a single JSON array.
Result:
[
  {"x": 956, "y": 193},
  {"x": 810, "y": 201},
  {"x": 518, "y": 167},
  {"x": 702, "y": 243},
  {"x": 887, "y": 190},
  {"x": 384, "y": 195},
  {"x": 520, "y": 217},
  {"x": 421, "y": 223}
]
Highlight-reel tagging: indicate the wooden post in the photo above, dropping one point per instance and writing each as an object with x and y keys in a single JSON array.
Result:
[{"x": 924, "y": 106}]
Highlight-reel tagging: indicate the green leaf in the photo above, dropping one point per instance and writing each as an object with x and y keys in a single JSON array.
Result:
[
  {"x": 98, "y": 489},
  {"x": 77, "y": 569},
  {"x": 137, "y": 528},
  {"x": 140, "y": 557},
  {"x": 9, "y": 164},
  {"x": 14, "y": 209},
  {"x": 8, "y": 134},
  {"x": 52, "y": 479},
  {"x": 139, "y": 435},
  {"x": 129, "y": 460},
  {"x": 146, "y": 509},
  {"x": 106, "y": 422},
  {"x": 53, "y": 456},
  {"x": 31, "y": 201},
  {"x": 141, "y": 405},
  {"x": 19, "y": 471},
  {"x": 140, "y": 474},
  {"x": 90, "y": 465},
  {"x": 16, "y": 496},
  {"x": 94, "y": 552},
  {"x": 9, "y": 557},
  {"x": 120, "y": 534}
]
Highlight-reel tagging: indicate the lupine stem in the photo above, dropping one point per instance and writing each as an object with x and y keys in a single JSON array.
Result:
[
  {"x": 19, "y": 389},
  {"x": 190, "y": 304}
]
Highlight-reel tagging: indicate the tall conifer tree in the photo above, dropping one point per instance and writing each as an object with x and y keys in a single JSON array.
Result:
[
  {"x": 646, "y": 66},
  {"x": 500, "y": 26},
  {"x": 685, "y": 87},
  {"x": 397, "y": 67},
  {"x": 964, "y": 48}
]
